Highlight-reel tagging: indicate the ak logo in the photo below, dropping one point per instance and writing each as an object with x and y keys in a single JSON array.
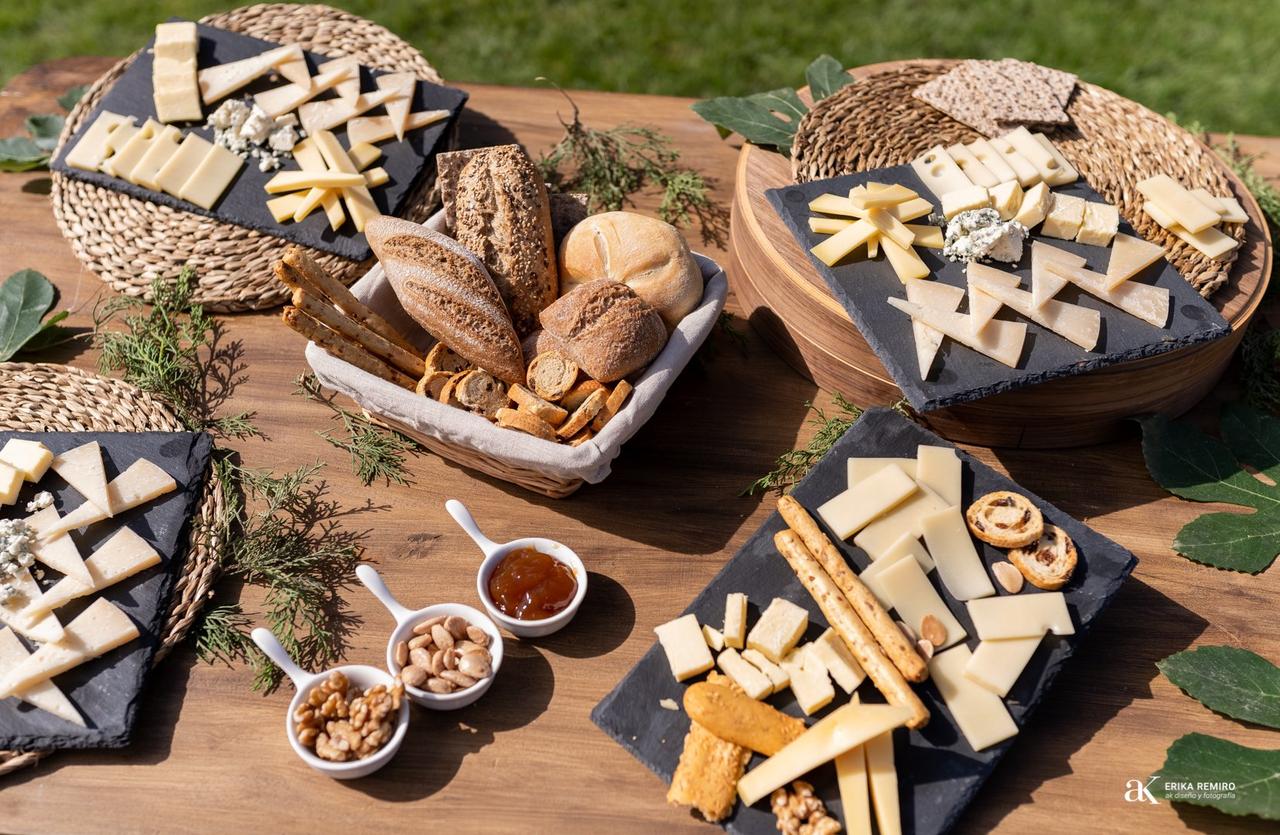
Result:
[{"x": 1135, "y": 791}]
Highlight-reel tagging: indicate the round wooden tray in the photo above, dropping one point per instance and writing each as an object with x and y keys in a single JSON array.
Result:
[{"x": 789, "y": 303}]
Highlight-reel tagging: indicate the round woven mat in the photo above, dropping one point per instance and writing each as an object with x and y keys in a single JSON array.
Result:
[
  {"x": 58, "y": 398},
  {"x": 128, "y": 242},
  {"x": 1114, "y": 143}
]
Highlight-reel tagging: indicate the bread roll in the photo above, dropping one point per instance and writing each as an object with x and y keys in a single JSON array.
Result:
[
  {"x": 606, "y": 329},
  {"x": 501, "y": 213},
  {"x": 647, "y": 255},
  {"x": 447, "y": 291}
]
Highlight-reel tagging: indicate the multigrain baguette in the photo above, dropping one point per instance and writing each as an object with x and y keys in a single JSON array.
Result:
[
  {"x": 606, "y": 328},
  {"x": 447, "y": 291}
]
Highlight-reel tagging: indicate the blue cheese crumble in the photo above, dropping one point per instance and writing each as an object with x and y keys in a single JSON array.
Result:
[
  {"x": 245, "y": 129},
  {"x": 15, "y": 553},
  {"x": 980, "y": 234}
]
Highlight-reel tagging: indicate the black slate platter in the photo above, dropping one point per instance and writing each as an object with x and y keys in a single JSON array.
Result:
[
  {"x": 245, "y": 203},
  {"x": 938, "y": 772},
  {"x": 961, "y": 374},
  {"x": 107, "y": 690}
]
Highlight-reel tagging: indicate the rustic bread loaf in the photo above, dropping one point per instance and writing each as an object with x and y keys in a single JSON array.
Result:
[
  {"x": 447, "y": 291},
  {"x": 606, "y": 329},
  {"x": 647, "y": 255},
  {"x": 501, "y": 213}
]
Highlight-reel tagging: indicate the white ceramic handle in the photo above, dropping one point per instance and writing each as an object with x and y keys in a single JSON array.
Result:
[
  {"x": 468, "y": 524},
  {"x": 271, "y": 648},
  {"x": 373, "y": 582}
]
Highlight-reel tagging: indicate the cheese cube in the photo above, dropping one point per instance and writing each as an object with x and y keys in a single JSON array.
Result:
[
  {"x": 776, "y": 675},
  {"x": 713, "y": 637},
  {"x": 1066, "y": 213},
  {"x": 685, "y": 647},
  {"x": 1101, "y": 220},
  {"x": 1006, "y": 198},
  {"x": 1035, "y": 205},
  {"x": 834, "y": 655},
  {"x": 10, "y": 484},
  {"x": 735, "y": 620},
  {"x": 31, "y": 458},
  {"x": 964, "y": 199},
  {"x": 753, "y": 682},
  {"x": 809, "y": 682},
  {"x": 778, "y": 630}
]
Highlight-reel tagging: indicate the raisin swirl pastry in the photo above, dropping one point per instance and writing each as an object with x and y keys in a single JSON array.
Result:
[
  {"x": 1049, "y": 563},
  {"x": 1005, "y": 520}
]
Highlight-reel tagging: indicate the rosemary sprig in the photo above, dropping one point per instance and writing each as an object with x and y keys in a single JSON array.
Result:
[
  {"x": 792, "y": 466},
  {"x": 376, "y": 453}
]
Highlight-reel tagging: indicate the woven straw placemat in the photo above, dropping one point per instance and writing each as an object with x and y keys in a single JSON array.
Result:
[
  {"x": 128, "y": 242},
  {"x": 1114, "y": 143},
  {"x": 58, "y": 398}
]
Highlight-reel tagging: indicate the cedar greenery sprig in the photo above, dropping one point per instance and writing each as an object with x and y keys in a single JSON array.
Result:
[
  {"x": 376, "y": 453},
  {"x": 794, "y": 465}
]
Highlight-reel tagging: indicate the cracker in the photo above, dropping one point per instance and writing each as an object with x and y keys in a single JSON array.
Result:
[
  {"x": 950, "y": 94},
  {"x": 1012, "y": 94},
  {"x": 1061, "y": 82}
]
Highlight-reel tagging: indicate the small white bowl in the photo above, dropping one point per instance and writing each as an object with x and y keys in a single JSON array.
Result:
[
  {"x": 361, "y": 675},
  {"x": 406, "y": 619},
  {"x": 493, "y": 554}
]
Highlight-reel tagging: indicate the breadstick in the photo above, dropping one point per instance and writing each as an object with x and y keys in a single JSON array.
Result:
[
  {"x": 736, "y": 717},
  {"x": 845, "y": 621},
  {"x": 307, "y": 270},
  {"x": 895, "y": 644},
  {"x": 709, "y": 769},
  {"x": 340, "y": 348},
  {"x": 323, "y": 312}
]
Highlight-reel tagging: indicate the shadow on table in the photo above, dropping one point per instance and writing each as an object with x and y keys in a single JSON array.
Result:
[
  {"x": 1204, "y": 819},
  {"x": 477, "y": 130},
  {"x": 1112, "y": 667},
  {"x": 602, "y": 624}
]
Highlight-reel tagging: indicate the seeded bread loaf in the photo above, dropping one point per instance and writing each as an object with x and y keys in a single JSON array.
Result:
[
  {"x": 449, "y": 293},
  {"x": 606, "y": 329},
  {"x": 502, "y": 214}
]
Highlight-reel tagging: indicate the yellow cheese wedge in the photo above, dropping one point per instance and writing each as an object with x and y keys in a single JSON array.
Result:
[
  {"x": 844, "y": 729},
  {"x": 97, "y": 630},
  {"x": 82, "y": 468},
  {"x": 1001, "y": 341},
  {"x": 735, "y": 620},
  {"x": 928, "y": 340},
  {"x": 282, "y": 208},
  {"x": 832, "y": 652},
  {"x": 91, "y": 148},
  {"x": 59, "y": 552},
  {"x": 120, "y": 557},
  {"x": 39, "y": 628},
  {"x": 778, "y": 677},
  {"x": 46, "y": 695},
  {"x": 809, "y": 681},
  {"x": 939, "y": 172},
  {"x": 1213, "y": 242},
  {"x": 1025, "y": 171},
  {"x": 882, "y": 534},
  {"x": 381, "y": 128},
  {"x": 1178, "y": 203},
  {"x": 996, "y": 665},
  {"x": 972, "y": 167},
  {"x": 31, "y": 458},
  {"x": 1145, "y": 301},
  {"x": 858, "y": 469},
  {"x": 333, "y": 113},
  {"x": 685, "y": 648},
  {"x": 908, "y": 590},
  {"x": 882, "y": 780},
  {"x": 1129, "y": 256},
  {"x": 993, "y": 160},
  {"x": 959, "y": 566},
  {"x": 1020, "y": 616},
  {"x": 280, "y": 100},
  {"x": 222, "y": 80},
  {"x": 1081, "y": 325},
  {"x": 979, "y": 713},
  {"x": 982, "y": 309},
  {"x": 211, "y": 178},
  {"x": 904, "y": 260},
  {"x": 779, "y": 629},
  {"x": 855, "y": 802},
  {"x": 753, "y": 682},
  {"x": 882, "y": 196},
  {"x": 142, "y": 482},
  {"x": 10, "y": 484},
  {"x": 358, "y": 200},
  {"x": 855, "y": 508}
]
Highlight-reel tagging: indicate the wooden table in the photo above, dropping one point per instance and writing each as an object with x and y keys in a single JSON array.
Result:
[{"x": 210, "y": 754}]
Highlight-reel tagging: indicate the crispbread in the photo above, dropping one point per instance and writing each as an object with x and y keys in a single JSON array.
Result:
[
  {"x": 535, "y": 405},
  {"x": 432, "y": 383},
  {"x": 527, "y": 423},
  {"x": 583, "y": 414},
  {"x": 992, "y": 96},
  {"x": 1061, "y": 82}
]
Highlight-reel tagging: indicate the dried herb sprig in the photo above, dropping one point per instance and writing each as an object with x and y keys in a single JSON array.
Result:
[
  {"x": 376, "y": 453},
  {"x": 792, "y": 466}
]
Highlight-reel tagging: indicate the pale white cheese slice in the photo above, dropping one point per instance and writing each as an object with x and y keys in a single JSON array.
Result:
[
  {"x": 858, "y": 469},
  {"x": 833, "y": 653},
  {"x": 91, "y": 149},
  {"x": 979, "y": 714},
  {"x": 777, "y": 676},
  {"x": 1145, "y": 301},
  {"x": 41, "y": 629},
  {"x": 909, "y": 592},
  {"x": 882, "y": 780},
  {"x": 996, "y": 665},
  {"x": 1044, "y": 284},
  {"x": 959, "y": 566},
  {"x": 332, "y": 113},
  {"x": 810, "y": 683},
  {"x": 1180, "y": 204},
  {"x": 280, "y": 100},
  {"x": 57, "y": 552},
  {"x": 939, "y": 172},
  {"x": 1081, "y": 325},
  {"x": 398, "y": 106},
  {"x": 928, "y": 340},
  {"x": 1021, "y": 616},
  {"x": 855, "y": 508},
  {"x": 939, "y": 469},
  {"x": 45, "y": 695},
  {"x": 883, "y": 534},
  {"x": 142, "y": 482},
  {"x": 855, "y": 802},
  {"x": 1130, "y": 256},
  {"x": 685, "y": 647},
  {"x": 220, "y": 81},
  {"x": 97, "y": 630},
  {"x": 120, "y": 557},
  {"x": 82, "y": 469},
  {"x": 1001, "y": 341}
]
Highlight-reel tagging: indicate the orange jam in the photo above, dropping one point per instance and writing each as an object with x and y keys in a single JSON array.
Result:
[{"x": 531, "y": 585}]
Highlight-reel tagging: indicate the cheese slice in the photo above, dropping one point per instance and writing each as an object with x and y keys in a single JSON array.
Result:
[
  {"x": 298, "y": 180},
  {"x": 959, "y": 566},
  {"x": 282, "y": 208},
  {"x": 856, "y": 507},
  {"x": 1068, "y": 172},
  {"x": 375, "y": 177},
  {"x": 220, "y": 81},
  {"x": 972, "y": 167},
  {"x": 838, "y": 204},
  {"x": 116, "y": 141},
  {"x": 1044, "y": 284},
  {"x": 122, "y": 162},
  {"x": 844, "y": 729},
  {"x": 834, "y": 655},
  {"x": 31, "y": 458},
  {"x": 40, "y": 628},
  {"x": 46, "y": 695},
  {"x": 713, "y": 637},
  {"x": 825, "y": 225},
  {"x": 176, "y": 92},
  {"x": 1006, "y": 199},
  {"x": 939, "y": 172},
  {"x": 1050, "y": 165},
  {"x": 10, "y": 484},
  {"x": 1228, "y": 208},
  {"x": 142, "y": 482},
  {"x": 781, "y": 626},
  {"x": 883, "y": 534},
  {"x": 82, "y": 469},
  {"x": 1026, "y": 171},
  {"x": 855, "y": 802},
  {"x": 358, "y": 200},
  {"x": 97, "y": 630},
  {"x": 119, "y": 558},
  {"x": 333, "y": 113},
  {"x": 882, "y": 780},
  {"x": 59, "y": 552},
  {"x": 890, "y": 227},
  {"x": 175, "y": 173},
  {"x": 403, "y": 83},
  {"x": 162, "y": 148},
  {"x": 809, "y": 681},
  {"x": 859, "y": 469},
  {"x": 735, "y": 620},
  {"x": 91, "y": 148},
  {"x": 1130, "y": 256},
  {"x": 993, "y": 160},
  {"x": 309, "y": 158},
  {"x": 295, "y": 70},
  {"x": 996, "y": 665},
  {"x": 928, "y": 340},
  {"x": 982, "y": 309},
  {"x": 964, "y": 200},
  {"x": 1021, "y": 616},
  {"x": 1178, "y": 203},
  {"x": 1081, "y": 325},
  {"x": 979, "y": 714},
  {"x": 843, "y": 242},
  {"x": 280, "y": 100},
  {"x": 1145, "y": 301},
  {"x": 381, "y": 128},
  {"x": 1001, "y": 341},
  {"x": 1034, "y": 206},
  {"x": 904, "y": 260},
  {"x": 880, "y": 195},
  {"x": 1213, "y": 242},
  {"x": 909, "y": 591},
  {"x": 753, "y": 682},
  {"x": 870, "y": 576},
  {"x": 211, "y": 178},
  {"x": 778, "y": 677},
  {"x": 927, "y": 235},
  {"x": 685, "y": 648},
  {"x": 939, "y": 469},
  {"x": 910, "y": 545}
]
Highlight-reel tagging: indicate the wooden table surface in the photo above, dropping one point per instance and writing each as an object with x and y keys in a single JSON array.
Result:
[{"x": 210, "y": 754}]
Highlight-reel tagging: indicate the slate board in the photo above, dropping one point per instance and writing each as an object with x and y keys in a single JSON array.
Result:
[
  {"x": 961, "y": 374},
  {"x": 245, "y": 203},
  {"x": 938, "y": 772},
  {"x": 107, "y": 690}
]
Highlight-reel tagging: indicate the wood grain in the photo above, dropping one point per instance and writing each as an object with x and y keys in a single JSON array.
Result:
[{"x": 210, "y": 755}]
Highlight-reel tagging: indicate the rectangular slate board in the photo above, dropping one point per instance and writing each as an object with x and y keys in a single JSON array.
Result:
[
  {"x": 245, "y": 203},
  {"x": 938, "y": 772},
  {"x": 107, "y": 690},
  {"x": 961, "y": 374}
]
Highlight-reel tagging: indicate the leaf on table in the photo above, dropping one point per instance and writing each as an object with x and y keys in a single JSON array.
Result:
[
  {"x": 1232, "y": 681},
  {"x": 44, "y": 129},
  {"x": 824, "y": 76},
  {"x": 1198, "y": 759},
  {"x": 21, "y": 153},
  {"x": 72, "y": 97},
  {"x": 25, "y": 297},
  {"x": 50, "y": 335}
]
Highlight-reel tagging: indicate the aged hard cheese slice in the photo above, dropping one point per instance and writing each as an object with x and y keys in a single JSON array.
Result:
[
  {"x": 778, "y": 677},
  {"x": 31, "y": 458},
  {"x": 1213, "y": 242},
  {"x": 1228, "y": 208},
  {"x": 879, "y": 195},
  {"x": 1021, "y": 616},
  {"x": 939, "y": 469},
  {"x": 46, "y": 695},
  {"x": 979, "y": 713},
  {"x": 309, "y": 158},
  {"x": 909, "y": 591},
  {"x": 175, "y": 173},
  {"x": 882, "y": 779},
  {"x": 1044, "y": 284},
  {"x": 927, "y": 235},
  {"x": 97, "y": 630},
  {"x": 280, "y": 100},
  {"x": 222, "y": 80},
  {"x": 1145, "y": 301},
  {"x": 332, "y": 113},
  {"x": 959, "y": 566},
  {"x": 139, "y": 484},
  {"x": 735, "y": 620},
  {"x": 91, "y": 149},
  {"x": 855, "y": 802},
  {"x": 1180, "y": 204},
  {"x": 836, "y": 204},
  {"x": 753, "y": 682},
  {"x": 859, "y": 469},
  {"x": 844, "y": 729},
  {"x": 82, "y": 469},
  {"x": 890, "y": 227},
  {"x": 120, "y": 557},
  {"x": 882, "y": 534},
  {"x": 398, "y": 107},
  {"x": 834, "y": 655},
  {"x": 1081, "y": 325},
  {"x": 928, "y": 340},
  {"x": 809, "y": 682},
  {"x": 996, "y": 665},
  {"x": 59, "y": 552},
  {"x": 212, "y": 176},
  {"x": 779, "y": 629},
  {"x": 852, "y": 510},
  {"x": 1001, "y": 341},
  {"x": 939, "y": 172},
  {"x": 1066, "y": 214},
  {"x": 685, "y": 647},
  {"x": 1101, "y": 220},
  {"x": 1130, "y": 256},
  {"x": 282, "y": 208},
  {"x": 39, "y": 628}
]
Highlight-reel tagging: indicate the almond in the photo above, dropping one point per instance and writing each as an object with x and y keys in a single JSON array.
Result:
[
  {"x": 932, "y": 630},
  {"x": 1009, "y": 577}
]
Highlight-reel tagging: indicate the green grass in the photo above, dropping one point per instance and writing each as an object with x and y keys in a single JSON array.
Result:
[{"x": 1214, "y": 62}]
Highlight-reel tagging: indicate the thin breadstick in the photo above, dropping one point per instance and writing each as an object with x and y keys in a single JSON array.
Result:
[
  {"x": 304, "y": 266},
  {"x": 895, "y": 644},
  {"x": 322, "y": 311},
  {"x": 343, "y": 350},
  {"x": 845, "y": 621}
]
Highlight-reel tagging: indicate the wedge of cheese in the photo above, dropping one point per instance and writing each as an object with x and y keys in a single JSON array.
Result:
[
  {"x": 222, "y": 80},
  {"x": 381, "y": 128},
  {"x": 1145, "y": 301},
  {"x": 996, "y": 665},
  {"x": 928, "y": 340},
  {"x": 120, "y": 557},
  {"x": 1130, "y": 256},
  {"x": 855, "y": 802},
  {"x": 1045, "y": 284},
  {"x": 403, "y": 83},
  {"x": 1081, "y": 325},
  {"x": 31, "y": 458},
  {"x": 982, "y": 309},
  {"x": 96, "y": 631},
  {"x": 333, "y": 113},
  {"x": 833, "y": 653},
  {"x": 43, "y": 628},
  {"x": 142, "y": 482},
  {"x": 1001, "y": 341},
  {"x": 82, "y": 468},
  {"x": 58, "y": 552},
  {"x": 280, "y": 100},
  {"x": 909, "y": 592},
  {"x": 45, "y": 695}
]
